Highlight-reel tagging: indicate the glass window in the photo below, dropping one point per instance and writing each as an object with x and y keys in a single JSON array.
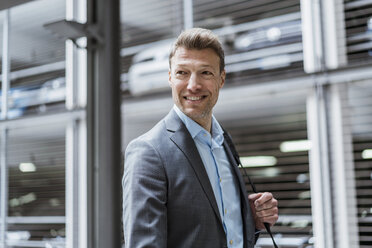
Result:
[
  {"x": 36, "y": 196},
  {"x": 37, "y": 59},
  {"x": 34, "y": 153}
]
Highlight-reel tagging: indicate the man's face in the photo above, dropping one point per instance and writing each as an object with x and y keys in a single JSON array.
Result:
[{"x": 196, "y": 79}]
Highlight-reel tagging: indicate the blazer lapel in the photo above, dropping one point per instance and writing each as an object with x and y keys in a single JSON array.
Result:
[{"x": 183, "y": 140}]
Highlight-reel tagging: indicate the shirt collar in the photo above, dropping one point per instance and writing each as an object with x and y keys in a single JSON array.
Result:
[{"x": 194, "y": 128}]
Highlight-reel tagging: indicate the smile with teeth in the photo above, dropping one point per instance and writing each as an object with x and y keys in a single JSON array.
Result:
[{"x": 194, "y": 98}]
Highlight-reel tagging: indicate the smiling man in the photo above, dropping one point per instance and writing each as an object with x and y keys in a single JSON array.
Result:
[
  {"x": 181, "y": 186},
  {"x": 196, "y": 78}
]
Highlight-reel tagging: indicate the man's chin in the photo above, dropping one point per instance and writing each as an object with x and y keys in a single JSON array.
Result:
[{"x": 195, "y": 115}]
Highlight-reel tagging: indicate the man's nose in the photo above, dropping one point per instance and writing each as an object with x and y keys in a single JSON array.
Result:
[{"x": 194, "y": 83}]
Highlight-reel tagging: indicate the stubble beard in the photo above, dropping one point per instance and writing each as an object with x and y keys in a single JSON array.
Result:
[{"x": 198, "y": 116}]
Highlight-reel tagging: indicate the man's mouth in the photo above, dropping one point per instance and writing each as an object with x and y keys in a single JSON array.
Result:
[{"x": 194, "y": 98}]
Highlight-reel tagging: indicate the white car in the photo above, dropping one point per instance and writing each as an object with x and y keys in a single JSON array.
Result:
[
  {"x": 20, "y": 99},
  {"x": 274, "y": 34},
  {"x": 53, "y": 91},
  {"x": 149, "y": 70}
]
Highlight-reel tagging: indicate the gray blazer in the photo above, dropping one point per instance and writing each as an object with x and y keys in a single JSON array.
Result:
[{"x": 168, "y": 201}]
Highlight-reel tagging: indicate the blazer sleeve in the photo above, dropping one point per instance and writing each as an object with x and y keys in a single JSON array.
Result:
[{"x": 144, "y": 197}]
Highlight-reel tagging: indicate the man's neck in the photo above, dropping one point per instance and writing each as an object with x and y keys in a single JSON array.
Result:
[{"x": 206, "y": 123}]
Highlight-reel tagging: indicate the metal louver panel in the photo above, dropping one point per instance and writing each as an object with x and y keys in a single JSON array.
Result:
[
  {"x": 358, "y": 19},
  {"x": 30, "y": 44},
  {"x": 145, "y": 21},
  {"x": 1, "y": 44},
  {"x": 360, "y": 107},
  {"x": 36, "y": 165},
  {"x": 214, "y": 14},
  {"x": 262, "y": 39},
  {"x": 259, "y": 136}
]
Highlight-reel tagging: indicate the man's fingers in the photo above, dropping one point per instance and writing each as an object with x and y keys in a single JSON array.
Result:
[
  {"x": 267, "y": 213},
  {"x": 265, "y": 209},
  {"x": 263, "y": 198},
  {"x": 253, "y": 197},
  {"x": 272, "y": 203},
  {"x": 265, "y": 201}
]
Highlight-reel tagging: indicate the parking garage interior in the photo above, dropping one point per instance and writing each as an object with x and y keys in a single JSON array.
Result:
[{"x": 297, "y": 103}]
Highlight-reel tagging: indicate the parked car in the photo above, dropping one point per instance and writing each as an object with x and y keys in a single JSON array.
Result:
[
  {"x": 22, "y": 98},
  {"x": 52, "y": 91},
  {"x": 19, "y": 99},
  {"x": 271, "y": 35},
  {"x": 275, "y": 45},
  {"x": 149, "y": 70}
]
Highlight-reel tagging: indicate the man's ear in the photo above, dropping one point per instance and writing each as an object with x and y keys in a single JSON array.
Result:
[
  {"x": 170, "y": 77},
  {"x": 223, "y": 77}
]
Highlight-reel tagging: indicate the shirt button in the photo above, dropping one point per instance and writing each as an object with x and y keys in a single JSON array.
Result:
[
  {"x": 220, "y": 179},
  {"x": 225, "y": 211},
  {"x": 231, "y": 242}
]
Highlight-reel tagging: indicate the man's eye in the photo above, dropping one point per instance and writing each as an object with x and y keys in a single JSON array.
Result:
[
  {"x": 181, "y": 73},
  {"x": 207, "y": 73}
]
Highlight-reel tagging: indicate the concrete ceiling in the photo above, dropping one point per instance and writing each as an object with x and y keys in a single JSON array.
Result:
[{"x": 5, "y": 4}]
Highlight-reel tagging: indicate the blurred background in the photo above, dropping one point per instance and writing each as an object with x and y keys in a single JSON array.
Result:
[{"x": 297, "y": 102}]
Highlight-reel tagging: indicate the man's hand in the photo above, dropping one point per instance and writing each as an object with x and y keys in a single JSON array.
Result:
[{"x": 264, "y": 209}]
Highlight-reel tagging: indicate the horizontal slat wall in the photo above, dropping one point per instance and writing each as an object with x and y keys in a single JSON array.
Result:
[
  {"x": 38, "y": 193},
  {"x": 30, "y": 43},
  {"x": 2, "y": 15},
  {"x": 260, "y": 134},
  {"x": 266, "y": 56},
  {"x": 360, "y": 104},
  {"x": 145, "y": 21},
  {"x": 39, "y": 232},
  {"x": 359, "y": 34},
  {"x": 208, "y": 12}
]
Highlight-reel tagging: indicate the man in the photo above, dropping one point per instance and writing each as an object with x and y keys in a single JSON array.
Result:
[{"x": 181, "y": 186}]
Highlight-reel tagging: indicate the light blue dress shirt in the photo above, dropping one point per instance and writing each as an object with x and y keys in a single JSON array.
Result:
[{"x": 221, "y": 175}]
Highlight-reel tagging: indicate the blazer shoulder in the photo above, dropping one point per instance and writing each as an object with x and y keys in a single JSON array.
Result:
[
  {"x": 162, "y": 130},
  {"x": 155, "y": 135},
  {"x": 155, "y": 139}
]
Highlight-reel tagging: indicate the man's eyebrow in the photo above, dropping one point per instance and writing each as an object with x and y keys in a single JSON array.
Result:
[
  {"x": 203, "y": 65},
  {"x": 208, "y": 66}
]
